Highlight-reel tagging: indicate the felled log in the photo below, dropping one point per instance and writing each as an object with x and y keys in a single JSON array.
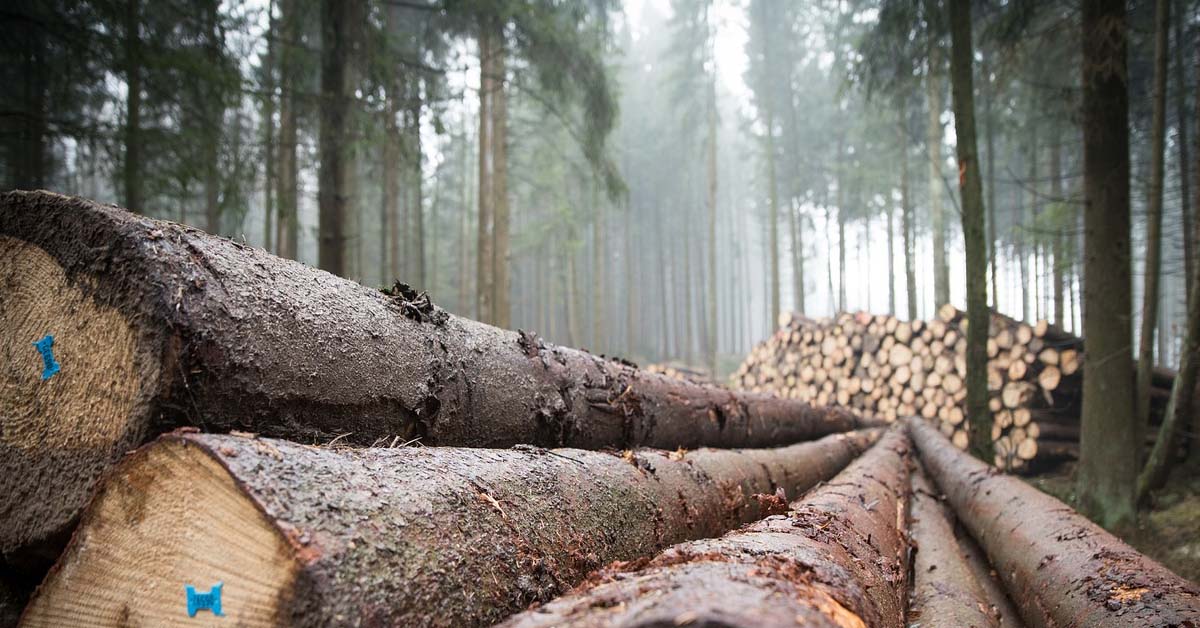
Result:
[
  {"x": 1060, "y": 568},
  {"x": 153, "y": 325},
  {"x": 999, "y": 605},
  {"x": 310, "y": 536},
  {"x": 838, "y": 558},
  {"x": 945, "y": 592}
]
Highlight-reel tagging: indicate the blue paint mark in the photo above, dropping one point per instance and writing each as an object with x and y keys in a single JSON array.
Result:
[
  {"x": 45, "y": 346},
  {"x": 210, "y": 601}
]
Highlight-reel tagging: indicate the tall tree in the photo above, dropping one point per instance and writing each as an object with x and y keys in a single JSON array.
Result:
[
  {"x": 132, "y": 168},
  {"x": 1154, "y": 203},
  {"x": 287, "y": 236},
  {"x": 978, "y": 315},
  {"x": 1105, "y": 482},
  {"x": 339, "y": 28},
  {"x": 933, "y": 91}
]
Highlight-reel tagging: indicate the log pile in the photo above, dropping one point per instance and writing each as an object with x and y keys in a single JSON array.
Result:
[{"x": 885, "y": 367}]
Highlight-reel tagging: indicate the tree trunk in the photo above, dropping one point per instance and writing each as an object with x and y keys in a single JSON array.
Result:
[
  {"x": 132, "y": 170},
  {"x": 945, "y": 592},
  {"x": 501, "y": 300},
  {"x": 27, "y": 166},
  {"x": 941, "y": 268},
  {"x": 841, "y": 257},
  {"x": 419, "y": 267},
  {"x": 337, "y": 49},
  {"x": 464, "y": 230},
  {"x": 484, "y": 277},
  {"x": 288, "y": 235},
  {"x": 1181, "y": 136},
  {"x": 1061, "y": 569},
  {"x": 906, "y": 222},
  {"x": 772, "y": 219},
  {"x": 1059, "y": 237},
  {"x": 1153, "y": 261},
  {"x": 1107, "y": 466},
  {"x": 711, "y": 300},
  {"x": 978, "y": 315},
  {"x": 599, "y": 267},
  {"x": 891, "y": 263},
  {"x": 197, "y": 340},
  {"x": 990, "y": 131},
  {"x": 827, "y": 561},
  {"x": 541, "y": 520},
  {"x": 269, "y": 130}
]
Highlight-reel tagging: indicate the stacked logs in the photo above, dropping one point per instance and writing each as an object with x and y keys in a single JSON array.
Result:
[{"x": 879, "y": 365}]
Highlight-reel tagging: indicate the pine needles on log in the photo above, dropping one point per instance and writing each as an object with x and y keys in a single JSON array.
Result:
[
  {"x": 838, "y": 558},
  {"x": 1059, "y": 568},
  {"x": 156, "y": 325},
  {"x": 410, "y": 536}
]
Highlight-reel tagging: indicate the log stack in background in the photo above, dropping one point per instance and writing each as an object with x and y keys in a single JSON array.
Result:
[{"x": 881, "y": 366}]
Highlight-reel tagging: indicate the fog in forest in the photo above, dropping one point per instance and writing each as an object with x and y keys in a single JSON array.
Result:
[{"x": 670, "y": 174}]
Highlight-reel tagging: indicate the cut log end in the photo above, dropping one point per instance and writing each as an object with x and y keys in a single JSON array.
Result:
[
  {"x": 196, "y": 528},
  {"x": 65, "y": 403}
]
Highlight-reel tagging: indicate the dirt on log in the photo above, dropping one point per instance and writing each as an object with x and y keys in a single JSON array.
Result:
[
  {"x": 153, "y": 325},
  {"x": 308, "y": 536},
  {"x": 838, "y": 558},
  {"x": 945, "y": 593},
  {"x": 1059, "y": 568}
]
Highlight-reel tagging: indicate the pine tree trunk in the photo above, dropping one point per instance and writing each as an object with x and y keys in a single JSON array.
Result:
[
  {"x": 906, "y": 222},
  {"x": 1059, "y": 236},
  {"x": 464, "y": 229},
  {"x": 132, "y": 170},
  {"x": 933, "y": 89},
  {"x": 419, "y": 267},
  {"x": 772, "y": 219},
  {"x": 334, "y": 173},
  {"x": 990, "y": 131},
  {"x": 269, "y": 130},
  {"x": 484, "y": 250},
  {"x": 979, "y": 416},
  {"x": 1154, "y": 204},
  {"x": 501, "y": 302},
  {"x": 398, "y": 536},
  {"x": 891, "y": 262},
  {"x": 711, "y": 301},
  {"x": 1181, "y": 136},
  {"x": 223, "y": 336},
  {"x": 213, "y": 107},
  {"x": 1107, "y": 474},
  {"x": 287, "y": 236},
  {"x": 599, "y": 268}
]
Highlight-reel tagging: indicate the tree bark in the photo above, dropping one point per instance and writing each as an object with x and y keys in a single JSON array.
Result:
[
  {"x": 337, "y": 49},
  {"x": 891, "y": 262},
  {"x": 485, "y": 282},
  {"x": 1059, "y": 237},
  {"x": 990, "y": 132},
  {"x": 269, "y": 130},
  {"x": 288, "y": 235},
  {"x": 417, "y": 175},
  {"x": 214, "y": 334},
  {"x": 375, "y": 536},
  {"x": 837, "y": 557},
  {"x": 772, "y": 219},
  {"x": 1061, "y": 569},
  {"x": 711, "y": 301},
  {"x": 945, "y": 592},
  {"x": 1107, "y": 466},
  {"x": 978, "y": 314},
  {"x": 906, "y": 222},
  {"x": 1181, "y": 136},
  {"x": 501, "y": 301},
  {"x": 933, "y": 89},
  {"x": 1153, "y": 261},
  {"x": 214, "y": 115},
  {"x": 132, "y": 171}
]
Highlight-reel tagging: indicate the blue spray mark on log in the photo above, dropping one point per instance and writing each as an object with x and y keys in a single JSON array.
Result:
[
  {"x": 45, "y": 346},
  {"x": 210, "y": 601}
]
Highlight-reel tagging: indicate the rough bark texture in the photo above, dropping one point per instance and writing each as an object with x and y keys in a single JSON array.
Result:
[
  {"x": 181, "y": 328},
  {"x": 979, "y": 417},
  {"x": 1108, "y": 467},
  {"x": 435, "y": 536},
  {"x": 1061, "y": 569},
  {"x": 838, "y": 558},
  {"x": 945, "y": 592}
]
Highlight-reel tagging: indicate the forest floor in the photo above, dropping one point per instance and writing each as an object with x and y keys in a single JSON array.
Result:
[{"x": 1169, "y": 532}]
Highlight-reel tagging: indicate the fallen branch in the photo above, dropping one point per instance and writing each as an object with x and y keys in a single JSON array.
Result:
[
  {"x": 839, "y": 558},
  {"x": 312, "y": 536},
  {"x": 1059, "y": 568}
]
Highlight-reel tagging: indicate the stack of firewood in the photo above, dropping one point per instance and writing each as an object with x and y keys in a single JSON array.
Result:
[{"x": 879, "y": 365}]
